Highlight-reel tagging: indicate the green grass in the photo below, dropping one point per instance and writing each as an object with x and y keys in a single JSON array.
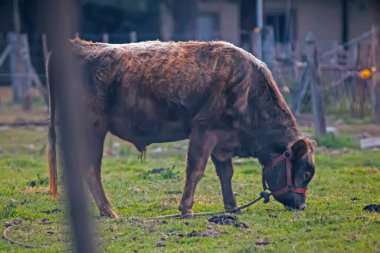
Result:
[
  {"x": 341, "y": 140},
  {"x": 332, "y": 222}
]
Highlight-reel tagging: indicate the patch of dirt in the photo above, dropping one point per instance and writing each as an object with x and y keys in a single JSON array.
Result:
[
  {"x": 45, "y": 221},
  {"x": 227, "y": 220},
  {"x": 7, "y": 224},
  {"x": 372, "y": 208},
  {"x": 160, "y": 244},
  {"x": 173, "y": 192},
  {"x": 55, "y": 210},
  {"x": 157, "y": 170},
  {"x": 11, "y": 223},
  {"x": 263, "y": 242},
  {"x": 26, "y": 201},
  {"x": 207, "y": 233}
]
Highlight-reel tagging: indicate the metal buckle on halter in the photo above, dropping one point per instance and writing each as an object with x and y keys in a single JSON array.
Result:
[{"x": 287, "y": 155}]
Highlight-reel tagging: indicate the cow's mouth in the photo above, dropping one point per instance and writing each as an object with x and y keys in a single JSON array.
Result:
[
  {"x": 300, "y": 207},
  {"x": 292, "y": 201}
]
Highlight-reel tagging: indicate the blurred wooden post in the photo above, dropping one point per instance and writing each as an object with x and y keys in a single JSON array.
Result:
[
  {"x": 268, "y": 46},
  {"x": 316, "y": 89},
  {"x": 257, "y": 43},
  {"x": 20, "y": 68},
  {"x": 16, "y": 17},
  {"x": 15, "y": 59},
  {"x": 132, "y": 37},
  {"x": 257, "y": 32},
  {"x": 105, "y": 38},
  {"x": 375, "y": 82},
  {"x": 4, "y": 54},
  {"x": 44, "y": 46},
  {"x": 14, "y": 62},
  {"x": 26, "y": 88},
  {"x": 68, "y": 89},
  {"x": 301, "y": 90}
]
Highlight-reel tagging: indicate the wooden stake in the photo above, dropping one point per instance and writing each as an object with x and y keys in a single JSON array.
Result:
[
  {"x": 5, "y": 53},
  {"x": 105, "y": 38},
  {"x": 375, "y": 83},
  {"x": 316, "y": 89}
]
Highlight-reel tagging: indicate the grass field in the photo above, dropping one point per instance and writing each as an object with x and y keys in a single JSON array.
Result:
[{"x": 332, "y": 222}]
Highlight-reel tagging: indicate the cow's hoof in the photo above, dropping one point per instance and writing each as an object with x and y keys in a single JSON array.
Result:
[
  {"x": 109, "y": 214},
  {"x": 187, "y": 215}
]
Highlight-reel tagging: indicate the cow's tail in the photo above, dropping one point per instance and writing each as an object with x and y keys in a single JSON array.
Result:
[{"x": 52, "y": 154}]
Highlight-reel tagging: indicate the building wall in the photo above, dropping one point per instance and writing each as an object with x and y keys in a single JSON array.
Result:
[
  {"x": 324, "y": 18},
  {"x": 363, "y": 14},
  {"x": 228, "y": 17}
]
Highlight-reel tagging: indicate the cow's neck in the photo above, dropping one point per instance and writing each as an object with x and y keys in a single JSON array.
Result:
[{"x": 273, "y": 129}]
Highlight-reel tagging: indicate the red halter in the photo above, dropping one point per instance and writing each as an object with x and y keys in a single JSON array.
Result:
[{"x": 289, "y": 181}]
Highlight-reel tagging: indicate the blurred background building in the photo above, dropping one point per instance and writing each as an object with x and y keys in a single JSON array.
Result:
[
  {"x": 332, "y": 21},
  {"x": 345, "y": 32}
]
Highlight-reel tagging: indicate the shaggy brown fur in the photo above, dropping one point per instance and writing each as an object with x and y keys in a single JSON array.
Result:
[{"x": 219, "y": 96}]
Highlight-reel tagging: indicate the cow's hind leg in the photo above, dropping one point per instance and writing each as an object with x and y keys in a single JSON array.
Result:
[
  {"x": 225, "y": 171},
  {"x": 200, "y": 148},
  {"x": 95, "y": 141}
]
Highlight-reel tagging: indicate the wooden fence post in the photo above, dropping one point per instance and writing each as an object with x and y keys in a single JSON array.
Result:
[
  {"x": 375, "y": 82},
  {"x": 105, "y": 38},
  {"x": 15, "y": 66},
  {"x": 256, "y": 43},
  {"x": 315, "y": 83},
  {"x": 68, "y": 89},
  {"x": 20, "y": 68},
  {"x": 132, "y": 37},
  {"x": 27, "y": 75},
  {"x": 268, "y": 46},
  {"x": 301, "y": 91}
]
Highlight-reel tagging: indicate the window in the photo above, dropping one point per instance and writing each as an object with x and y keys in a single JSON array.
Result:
[
  {"x": 283, "y": 30},
  {"x": 207, "y": 26}
]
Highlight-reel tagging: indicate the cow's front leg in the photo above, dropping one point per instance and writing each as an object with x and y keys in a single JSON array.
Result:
[
  {"x": 225, "y": 171},
  {"x": 200, "y": 149}
]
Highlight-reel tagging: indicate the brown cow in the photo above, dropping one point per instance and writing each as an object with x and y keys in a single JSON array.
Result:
[{"x": 218, "y": 96}]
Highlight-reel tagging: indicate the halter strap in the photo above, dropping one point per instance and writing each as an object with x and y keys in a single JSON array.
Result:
[{"x": 289, "y": 179}]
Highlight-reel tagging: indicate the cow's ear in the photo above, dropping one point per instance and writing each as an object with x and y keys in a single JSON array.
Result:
[{"x": 299, "y": 148}]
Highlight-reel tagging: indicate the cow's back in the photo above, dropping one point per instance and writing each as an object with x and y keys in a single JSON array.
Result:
[{"x": 157, "y": 91}]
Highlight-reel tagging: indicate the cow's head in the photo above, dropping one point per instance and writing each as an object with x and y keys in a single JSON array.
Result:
[{"x": 288, "y": 175}]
